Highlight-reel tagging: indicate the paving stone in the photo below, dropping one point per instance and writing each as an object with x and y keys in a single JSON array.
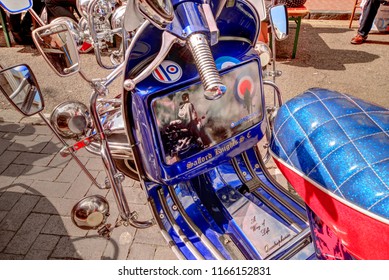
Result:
[
  {"x": 59, "y": 161},
  {"x": 21, "y": 185},
  {"x": 119, "y": 244},
  {"x": 151, "y": 236},
  {"x": 3, "y": 167},
  {"x": 49, "y": 189},
  {"x": 134, "y": 195},
  {"x": 8, "y": 157},
  {"x": 27, "y": 146},
  {"x": 41, "y": 173},
  {"x": 164, "y": 253},
  {"x": 27, "y": 234},
  {"x": 5, "y": 237},
  {"x": 95, "y": 164},
  {"x": 8, "y": 200},
  {"x": 55, "y": 206},
  {"x": 5, "y": 182},
  {"x": 2, "y": 215},
  {"x": 11, "y": 126},
  {"x": 16, "y": 137},
  {"x": 19, "y": 212},
  {"x": 45, "y": 242},
  {"x": 51, "y": 148},
  {"x": 34, "y": 254},
  {"x": 80, "y": 186},
  {"x": 140, "y": 251},
  {"x": 37, "y": 129},
  {"x": 44, "y": 138},
  {"x": 11, "y": 257},
  {"x": 69, "y": 173},
  {"x": 14, "y": 170},
  {"x": 90, "y": 248},
  {"x": 33, "y": 159},
  {"x": 10, "y": 115},
  {"x": 58, "y": 225},
  {"x": 4, "y": 144}
]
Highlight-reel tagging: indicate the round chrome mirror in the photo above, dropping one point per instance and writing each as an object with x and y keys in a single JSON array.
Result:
[
  {"x": 71, "y": 119},
  {"x": 159, "y": 12},
  {"x": 90, "y": 212}
]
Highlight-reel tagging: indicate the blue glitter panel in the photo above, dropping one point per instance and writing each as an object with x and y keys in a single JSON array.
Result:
[
  {"x": 348, "y": 146},
  {"x": 305, "y": 158},
  {"x": 282, "y": 115},
  {"x": 289, "y": 143},
  {"x": 381, "y": 119},
  {"x": 309, "y": 119},
  {"x": 382, "y": 208},
  {"x": 323, "y": 94},
  {"x": 320, "y": 175},
  {"x": 301, "y": 101},
  {"x": 382, "y": 169},
  {"x": 374, "y": 148},
  {"x": 344, "y": 162},
  {"x": 366, "y": 106},
  {"x": 365, "y": 126},
  {"x": 328, "y": 137},
  {"x": 341, "y": 106},
  {"x": 364, "y": 190}
]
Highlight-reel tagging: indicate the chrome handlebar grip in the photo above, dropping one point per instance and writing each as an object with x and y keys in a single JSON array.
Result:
[{"x": 214, "y": 88}]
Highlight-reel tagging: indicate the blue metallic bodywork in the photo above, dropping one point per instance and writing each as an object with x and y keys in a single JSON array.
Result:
[{"x": 205, "y": 190}]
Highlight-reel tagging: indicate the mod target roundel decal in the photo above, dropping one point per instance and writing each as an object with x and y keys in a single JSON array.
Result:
[
  {"x": 168, "y": 72},
  {"x": 244, "y": 88}
]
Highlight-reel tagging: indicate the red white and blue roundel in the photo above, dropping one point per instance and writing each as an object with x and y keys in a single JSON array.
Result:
[
  {"x": 244, "y": 88},
  {"x": 167, "y": 72}
]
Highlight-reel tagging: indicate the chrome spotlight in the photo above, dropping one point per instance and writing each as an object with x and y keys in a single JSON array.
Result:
[
  {"x": 264, "y": 52},
  {"x": 90, "y": 212},
  {"x": 82, "y": 7},
  {"x": 71, "y": 119},
  {"x": 118, "y": 17}
]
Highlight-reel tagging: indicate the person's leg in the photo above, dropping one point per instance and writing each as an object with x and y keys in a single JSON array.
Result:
[
  {"x": 60, "y": 8},
  {"x": 368, "y": 15}
]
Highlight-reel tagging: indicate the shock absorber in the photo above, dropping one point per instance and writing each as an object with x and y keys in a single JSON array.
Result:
[{"x": 214, "y": 88}]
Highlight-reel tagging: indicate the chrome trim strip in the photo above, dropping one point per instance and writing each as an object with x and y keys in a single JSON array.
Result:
[
  {"x": 273, "y": 181},
  {"x": 265, "y": 201},
  {"x": 272, "y": 193},
  {"x": 164, "y": 232},
  {"x": 217, "y": 254},
  {"x": 177, "y": 228}
]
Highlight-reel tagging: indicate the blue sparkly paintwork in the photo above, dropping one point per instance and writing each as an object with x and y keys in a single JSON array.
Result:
[{"x": 340, "y": 142}]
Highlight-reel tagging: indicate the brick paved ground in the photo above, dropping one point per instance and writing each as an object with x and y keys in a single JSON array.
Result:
[{"x": 38, "y": 189}]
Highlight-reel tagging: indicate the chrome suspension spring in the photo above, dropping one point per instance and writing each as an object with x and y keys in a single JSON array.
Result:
[{"x": 214, "y": 88}]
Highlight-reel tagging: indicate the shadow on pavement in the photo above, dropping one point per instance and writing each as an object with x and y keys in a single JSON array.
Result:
[
  {"x": 333, "y": 53},
  {"x": 31, "y": 227}
]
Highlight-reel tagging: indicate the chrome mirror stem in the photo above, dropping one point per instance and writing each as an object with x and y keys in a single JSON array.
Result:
[
  {"x": 72, "y": 153},
  {"x": 115, "y": 178}
]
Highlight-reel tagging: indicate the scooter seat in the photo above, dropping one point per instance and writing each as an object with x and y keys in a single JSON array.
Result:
[{"x": 338, "y": 143}]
